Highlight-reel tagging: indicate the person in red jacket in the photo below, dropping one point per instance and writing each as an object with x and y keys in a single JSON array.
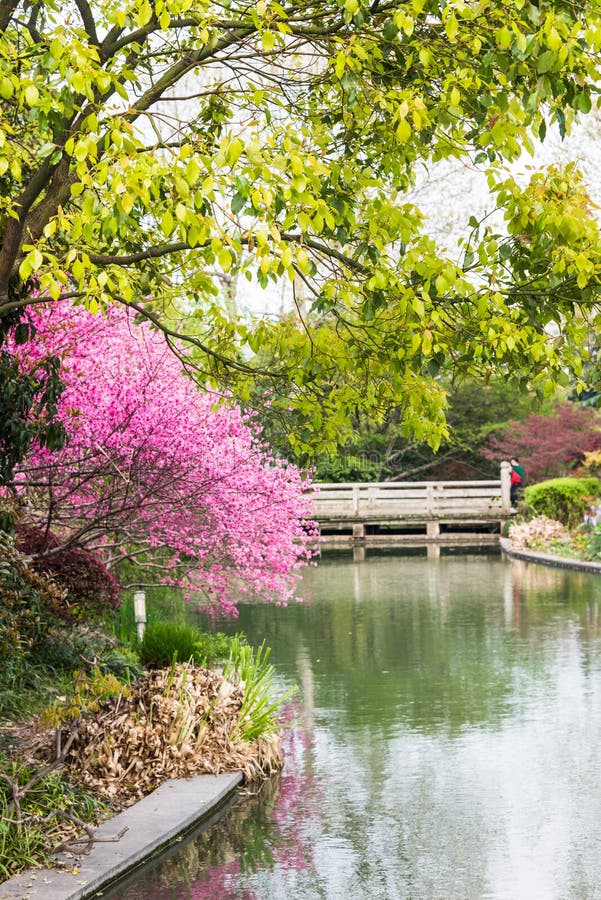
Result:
[{"x": 516, "y": 479}]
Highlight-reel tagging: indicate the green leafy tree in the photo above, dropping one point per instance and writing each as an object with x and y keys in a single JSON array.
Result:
[
  {"x": 149, "y": 148},
  {"x": 385, "y": 453}
]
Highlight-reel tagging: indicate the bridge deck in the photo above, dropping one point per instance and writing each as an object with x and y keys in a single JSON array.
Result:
[{"x": 405, "y": 504}]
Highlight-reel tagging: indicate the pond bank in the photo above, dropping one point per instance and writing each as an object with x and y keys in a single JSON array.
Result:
[
  {"x": 174, "y": 807},
  {"x": 549, "y": 559}
]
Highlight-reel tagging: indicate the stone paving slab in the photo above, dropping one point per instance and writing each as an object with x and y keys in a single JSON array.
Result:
[{"x": 175, "y": 806}]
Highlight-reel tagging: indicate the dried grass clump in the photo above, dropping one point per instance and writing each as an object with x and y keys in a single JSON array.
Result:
[
  {"x": 174, "y": 723},
  {"x": 540, "y": 530}
]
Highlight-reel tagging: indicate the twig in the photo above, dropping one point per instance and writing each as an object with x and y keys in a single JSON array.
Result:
[{"x": 88, "y": 841}]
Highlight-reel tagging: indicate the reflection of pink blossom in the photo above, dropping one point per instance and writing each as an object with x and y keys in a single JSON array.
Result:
[
  {"x": 216, "y": 883},
  {"x": 297, "y": 810},
  {"x": 294, "y": 814},
  {"x": 154, "y": 470},
  {"x": 216, "y": 886}
]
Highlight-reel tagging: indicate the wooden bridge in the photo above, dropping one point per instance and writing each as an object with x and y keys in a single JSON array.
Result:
[{"x": 388, "y": 512}]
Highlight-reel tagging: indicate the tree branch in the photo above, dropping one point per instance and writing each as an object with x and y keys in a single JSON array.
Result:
[
  {"x": 327, "y": 250},
  {"x": 88, "y": 20},
  {"x": 7, "y": 8},
  {"x": 185, "y": 65},
  {"x": 48, "y": 176},
  {"x": 105, "y": 259},
  {"x": 166, "y": 249},
  {"x": 177, "y": 335}
]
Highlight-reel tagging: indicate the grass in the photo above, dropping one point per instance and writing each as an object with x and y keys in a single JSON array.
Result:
[
  {"x": 263, "y": 698},
  {"x": 31, "y": 830},
  {"x": 165, "y": 642}
]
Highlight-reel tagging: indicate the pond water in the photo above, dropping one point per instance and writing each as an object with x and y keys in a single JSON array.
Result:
[{"x": 445, "y": 741}]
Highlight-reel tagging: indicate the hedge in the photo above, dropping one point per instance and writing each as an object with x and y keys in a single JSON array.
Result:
[{"x": 563, "y": 499}]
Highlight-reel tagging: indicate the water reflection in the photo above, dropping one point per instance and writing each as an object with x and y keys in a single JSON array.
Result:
[{"x": 445, "y": 744}]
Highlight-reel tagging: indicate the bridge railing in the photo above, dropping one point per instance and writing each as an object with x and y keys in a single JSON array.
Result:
[{"x": 386, "y": 501}]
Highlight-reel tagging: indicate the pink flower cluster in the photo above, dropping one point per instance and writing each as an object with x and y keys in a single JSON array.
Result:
[{"x": 156, "y": 470}]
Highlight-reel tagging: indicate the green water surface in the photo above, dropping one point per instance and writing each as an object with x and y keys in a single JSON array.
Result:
[{"x": 445, "y": 741}]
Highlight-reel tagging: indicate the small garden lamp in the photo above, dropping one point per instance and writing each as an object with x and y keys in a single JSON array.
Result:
[{"x": 140, "y": 612}]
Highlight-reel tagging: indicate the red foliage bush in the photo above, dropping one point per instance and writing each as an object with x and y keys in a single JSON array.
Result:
[
  {"x": 90, "y": 587},
  {"x": 548, "y": 446}
]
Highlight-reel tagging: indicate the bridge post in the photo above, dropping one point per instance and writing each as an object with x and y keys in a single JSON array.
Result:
[
  {"x": 506, "y": 487},
  {"x": 358, "y": 554},
  {"x": 433, "y": 530},
  {"x": 358, "y": 531},
  {"x": 356, "y": 499}
]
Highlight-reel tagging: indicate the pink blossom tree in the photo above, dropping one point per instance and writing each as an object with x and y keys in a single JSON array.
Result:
[{"x": 156, "y": 471}]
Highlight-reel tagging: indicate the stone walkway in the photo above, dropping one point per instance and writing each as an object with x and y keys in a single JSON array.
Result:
[{"x": 152, "y": 823}]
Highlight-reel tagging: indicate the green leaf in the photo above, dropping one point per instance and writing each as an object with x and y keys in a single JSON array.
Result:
[
  {"x": 403, "y": 130},
  {"x": 234, "y": 151},
  {"x": 390, "y": 30},
  {"x": 268, "y": 41},
  {"x": 238, "y": 203},
  {"x": 167, "y": 223},
  {"x": 546, "y": 61},
  {"x": 451, "y": 27},
  {"x": 225, "y": 259},
  {"x": 6, "y": 88},
  {"x": 31, "y": 95},
  {"x": 583, "y": 103},
  {"x": 504, "y": 37},
  {"x": 542, "y": 130}
]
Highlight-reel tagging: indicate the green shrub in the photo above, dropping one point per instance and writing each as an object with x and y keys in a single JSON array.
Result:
[
  {"x": 38, "y": 646},
  {"x": 216, "y": 648},
  {"x": 592, "y": 543},
  {"x": 83, "y": 696},
  {"x": 24, "y": 689},
  {"x": 563, "y": 499},
  {"x": 80, "y": 647},
  {"x": 164, "y": 641}
]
